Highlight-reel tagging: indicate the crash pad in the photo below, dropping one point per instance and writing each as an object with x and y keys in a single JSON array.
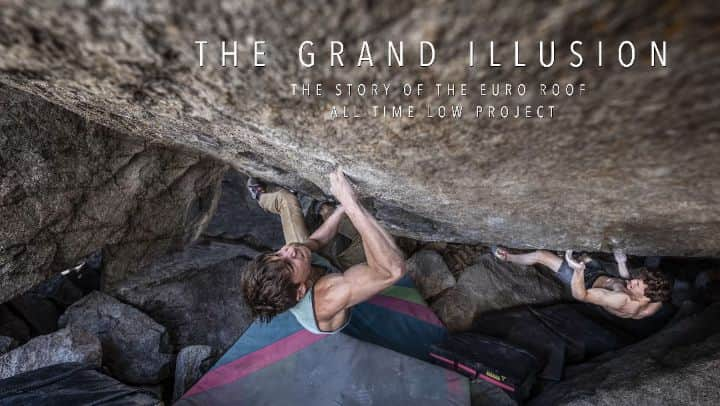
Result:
[{"x": 377, "y": 359}]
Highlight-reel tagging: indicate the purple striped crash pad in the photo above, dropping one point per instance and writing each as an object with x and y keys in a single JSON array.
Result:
[{"x": 377, "y": 360}]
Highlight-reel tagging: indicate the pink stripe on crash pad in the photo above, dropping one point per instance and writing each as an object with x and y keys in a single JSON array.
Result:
[
  {"x": 415, "y": 310},
  {"x": 472, "y": 372},
  {"x": 255, "y": 361}
]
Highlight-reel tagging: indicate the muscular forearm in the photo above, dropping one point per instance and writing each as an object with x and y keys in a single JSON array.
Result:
[
  {"x": 381, "y": 251},
  {"x": 329, "y": 229},
  {"x": 621, "y": 260},
  {"x": 623, "y": 270}
]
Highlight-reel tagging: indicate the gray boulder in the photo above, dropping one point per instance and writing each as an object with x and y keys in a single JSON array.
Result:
[
  {"x": 493, "y": 285},
  {"x": 648, "y": 147},
  {"x": 192, "y": 362},
  {"x": 496, "y": 285},
  {"x": 239, "y": 219},
  {"x": 677, "y": 366},
  {"x": 196, "y": 294},
  {"x": 135, "y": 347},
  {"x": 66, "y": 345},
  {"x": 70, "y": 186},
  {"x": 456, "y": 308},
  {"x": 430, "y": 273}
]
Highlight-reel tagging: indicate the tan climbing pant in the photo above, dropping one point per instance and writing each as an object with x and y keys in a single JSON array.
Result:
[{"x": 286, "y": 205}]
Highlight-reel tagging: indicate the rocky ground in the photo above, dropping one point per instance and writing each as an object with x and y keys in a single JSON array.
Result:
[{"x": 160, "y": 329}]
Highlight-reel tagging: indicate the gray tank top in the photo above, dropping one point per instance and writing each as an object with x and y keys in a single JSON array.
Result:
[{"x": 304, "y": 311}]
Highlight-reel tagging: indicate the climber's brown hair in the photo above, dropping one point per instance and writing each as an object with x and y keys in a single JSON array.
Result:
[
  {"x": 268, "y": 286},
  {"x": 658, "y": 287}
]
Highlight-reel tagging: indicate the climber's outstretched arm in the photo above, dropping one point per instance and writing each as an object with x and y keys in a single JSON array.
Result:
[
  {"x": 327, "y": 231},
  {"x": 385, "y": 262}
]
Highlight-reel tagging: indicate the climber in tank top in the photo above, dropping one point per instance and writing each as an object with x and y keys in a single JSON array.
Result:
[{"x": 295, "y": 278}]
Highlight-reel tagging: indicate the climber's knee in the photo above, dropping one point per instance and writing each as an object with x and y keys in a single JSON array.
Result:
[{"x": 286, "y": 199}]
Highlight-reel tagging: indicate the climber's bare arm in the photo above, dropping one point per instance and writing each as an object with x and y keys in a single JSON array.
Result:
[
  {"x": 617, "y": 303},
  {"x": 621, "y": 260},
  {"x": 385, "y": 262},
  {"x": 327, "y": 231},
  {"x": 602, "y": 297},
  {"x": 648, "y": 310}
]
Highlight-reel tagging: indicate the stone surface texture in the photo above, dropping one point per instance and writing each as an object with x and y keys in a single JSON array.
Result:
[
  {"x": 69, "y": 187},
  {"x": 494, "y": 285},
  {"x": 66, "y": 345},
  {"x": 192, "y": 362},
  {"x": 239, "y": 219},
  {"x": 196, "y": 294},
  {"x": 135, "y": 347},
  {"x": 430, "y": 273},
  {"x": 631, "y": 163}
]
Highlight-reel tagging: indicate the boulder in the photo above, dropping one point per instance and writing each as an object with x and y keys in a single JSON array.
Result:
[
  {"x": 7, "y": 344},
  {"x": 239, "y": 219},
  {"x": 192, "y": 362},
  {"x": 494, "y": 285},
  {"x": 135, "y": 347},
  {"x": 70, "y": 186},
  {"x": 196, "y": 294},
  {"x": 678, "y": 365},
  {"x": 646, "y": 171},
  {"x": 456, "y": 308},
  {"x": 430, "y": 273},
  {"x": 66, "y": 345},
  {"x": 458, "y": 256}
]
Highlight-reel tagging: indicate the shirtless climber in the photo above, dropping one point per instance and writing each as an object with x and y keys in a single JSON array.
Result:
[
  {"x": 622, "y": 296},
  {"x": 294, "y": 278}
]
